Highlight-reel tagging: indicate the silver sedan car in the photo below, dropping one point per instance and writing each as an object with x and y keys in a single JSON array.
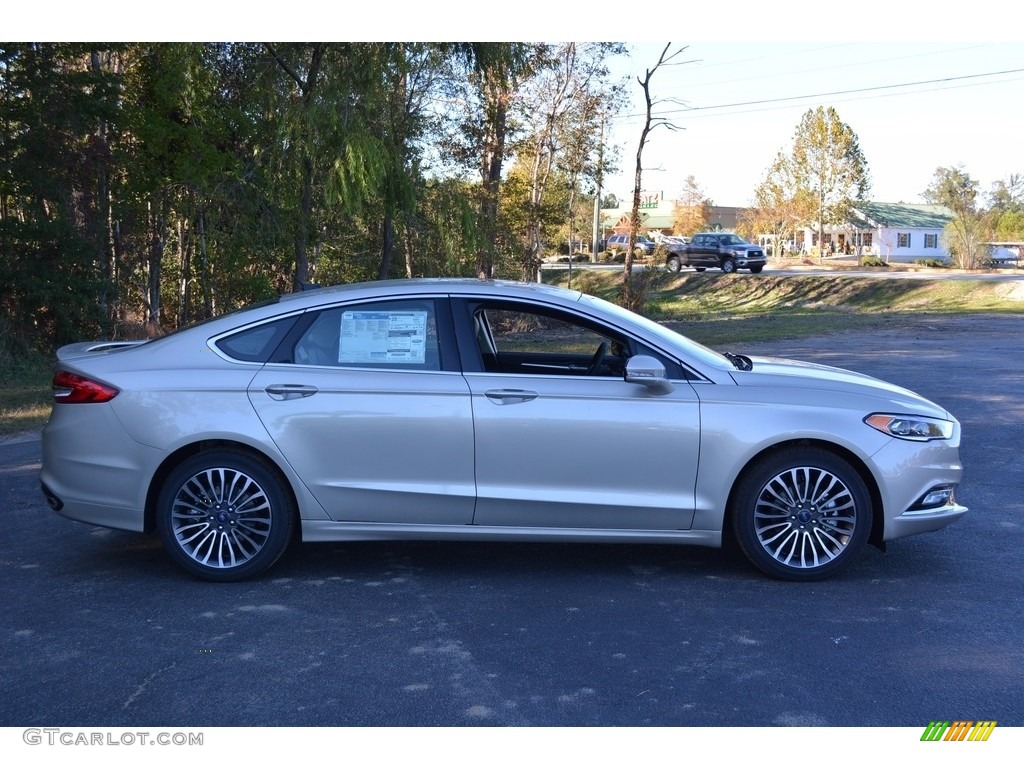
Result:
[{"x": 464, "y": 409}]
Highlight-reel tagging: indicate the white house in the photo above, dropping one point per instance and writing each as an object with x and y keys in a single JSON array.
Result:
[{"x": 897, "y": 232}]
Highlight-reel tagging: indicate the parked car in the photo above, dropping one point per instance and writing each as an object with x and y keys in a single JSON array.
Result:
[
  {"x": 723, "y": 250},
  {"x": 471, "y": 410},
  {"x": 621, "y": 243}
]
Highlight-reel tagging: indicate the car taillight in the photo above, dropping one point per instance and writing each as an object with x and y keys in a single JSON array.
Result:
[{"x": 72, "y": 388}]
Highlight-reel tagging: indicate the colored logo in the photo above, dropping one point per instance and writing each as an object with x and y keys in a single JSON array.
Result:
[{"x": 958, "y": 730}]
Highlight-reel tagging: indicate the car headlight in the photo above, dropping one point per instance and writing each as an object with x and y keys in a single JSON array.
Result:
[{"x": 911, "y": 427}]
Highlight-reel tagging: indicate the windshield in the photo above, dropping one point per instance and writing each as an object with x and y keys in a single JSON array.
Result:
[{"x": 733, "y": 240}]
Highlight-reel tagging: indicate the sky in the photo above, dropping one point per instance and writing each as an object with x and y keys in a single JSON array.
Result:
[
  {"x": 914, "y": 106},
  {"x": 923, "y": 86}
]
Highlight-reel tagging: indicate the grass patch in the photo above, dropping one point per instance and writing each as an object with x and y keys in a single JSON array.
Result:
[
  {"x": 25, "y": 398},
  {"x": 720, "y": 309}
]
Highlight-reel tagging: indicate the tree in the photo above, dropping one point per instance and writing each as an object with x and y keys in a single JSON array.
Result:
[
  {"x": 54, "y": 165},
  {"x": 1007, "y": 194},
  {"x": 826, "y": 161},
  {"x": 584, "y": 155},
  {"x": 956, "y": 190},
  {"x": 409, "y": 75},
  {"x": 1005, "y": 216},
  {"x": 651, "y": 123},
  {"x": 780, "y": 207},
  {"x": 692, "y": 210},
  {"x": 1009, "y": 226},
  {"x": 558, "y": 110},
  {"x": 495, "y": 72}
]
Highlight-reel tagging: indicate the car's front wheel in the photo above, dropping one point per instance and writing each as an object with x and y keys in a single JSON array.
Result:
[
  {"x": 224, "y": 516},
  {"x": 756, "y": 270},
  {"x": 728, "y": 266},
  {"x": 801, "y": 514}
]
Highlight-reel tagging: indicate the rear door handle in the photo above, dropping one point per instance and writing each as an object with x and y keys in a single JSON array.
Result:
[
  {"x": 510, "y": 396},
  {"x": 290, "y": 391}
]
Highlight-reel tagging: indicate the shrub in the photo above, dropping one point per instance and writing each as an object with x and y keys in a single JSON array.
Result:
[
  {"x": 643, "y": 289},
  {"x": 588, "y": 282},
  {"x": 931, "y": 262},
  {"x": 872, "y": 261}
]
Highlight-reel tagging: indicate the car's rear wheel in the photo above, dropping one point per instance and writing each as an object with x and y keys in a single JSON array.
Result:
[
  {"x": 224, "y": 516},
  {"x": 672, "y": 265},
  {"x": 801, "y": 514},
  {"x": 728, "y": 266}
]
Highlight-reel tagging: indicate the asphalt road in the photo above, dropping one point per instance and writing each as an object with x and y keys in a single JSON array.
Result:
[{"x": 100, "y": 629}]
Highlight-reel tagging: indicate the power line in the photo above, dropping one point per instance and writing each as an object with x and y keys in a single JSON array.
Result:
[{"x": 851, "y": 91}]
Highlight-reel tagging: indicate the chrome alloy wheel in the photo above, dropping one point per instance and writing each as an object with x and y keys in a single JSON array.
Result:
[
  {"x": 805, "y": 517},
  {"x": 221, "y": 517}
]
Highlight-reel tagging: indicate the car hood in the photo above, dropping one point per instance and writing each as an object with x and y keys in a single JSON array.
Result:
[{"x": 795, "y": 374}]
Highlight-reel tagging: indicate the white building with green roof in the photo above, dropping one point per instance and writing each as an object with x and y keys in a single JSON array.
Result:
[{"x": 898, "y": 232}]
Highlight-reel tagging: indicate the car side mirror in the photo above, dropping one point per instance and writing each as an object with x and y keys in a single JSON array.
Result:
[{"x": 646, "y": 370}]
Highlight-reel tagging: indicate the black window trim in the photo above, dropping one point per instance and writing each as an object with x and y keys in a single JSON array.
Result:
[
  {"x": 446, "y": 341},
  {"x": 465, "y": 308}
]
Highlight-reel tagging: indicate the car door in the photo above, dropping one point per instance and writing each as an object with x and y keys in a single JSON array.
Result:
[
  {"x": 705, "y": 251},
  {"x": 369, "y": 408},
  {"x": 562, "y": 441}
]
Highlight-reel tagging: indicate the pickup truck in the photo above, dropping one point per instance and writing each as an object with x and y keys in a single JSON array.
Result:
[{"x": 724, "y": 250}]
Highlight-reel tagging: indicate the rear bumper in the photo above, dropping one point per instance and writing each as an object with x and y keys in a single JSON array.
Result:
[
  {"x": 92, "y": 471},
  {"x": 95, "y": 514}
]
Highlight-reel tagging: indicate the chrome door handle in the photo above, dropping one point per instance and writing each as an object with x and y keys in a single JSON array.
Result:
[
  {"x": 290, "y": 391},
  {"x": 509, "y": 396}
]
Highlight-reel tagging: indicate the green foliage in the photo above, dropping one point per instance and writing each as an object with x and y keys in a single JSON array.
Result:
[
  {"x": 148, "y": 185},
  {"x": 873, "y": 261},
  {"x": 639, "y": 289},
  {"x": 25, "y": 392},
  {"x": 1009, "y": 226},
  {"x": 956, "y": 190},
  {"x": 826, "y": 165},
  {"x": 936, "y": 263}
]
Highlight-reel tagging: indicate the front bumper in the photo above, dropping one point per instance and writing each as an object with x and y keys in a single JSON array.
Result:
[{"x": 923, "y": 521}]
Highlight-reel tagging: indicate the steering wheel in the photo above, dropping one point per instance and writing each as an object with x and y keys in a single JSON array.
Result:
[{"x": 597, "y": 359}]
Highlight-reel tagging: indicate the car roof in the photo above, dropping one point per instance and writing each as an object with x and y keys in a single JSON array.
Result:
[{"x": 410, "y": 286}]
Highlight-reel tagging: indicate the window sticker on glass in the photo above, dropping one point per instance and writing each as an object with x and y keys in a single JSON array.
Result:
[{"x": 383, "y": 337}]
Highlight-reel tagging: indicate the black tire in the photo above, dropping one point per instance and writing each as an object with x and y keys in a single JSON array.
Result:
[
  {"x": 673, "y": 265},
  {"x": 801, "y": 514},
  {"x": 225, "y": 516},
  {"x": 728, "y": 266},
  {"x": 756, "y": 270}
]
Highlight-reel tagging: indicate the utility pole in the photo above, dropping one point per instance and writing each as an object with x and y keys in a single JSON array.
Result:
[{"x": 597, "y": 230}]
